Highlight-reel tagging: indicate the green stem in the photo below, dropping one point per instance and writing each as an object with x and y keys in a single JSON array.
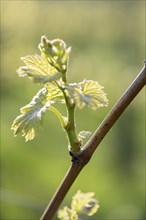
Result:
[
  {"x": 70, "y": 128},
  {"x": 71, "y": 131},
  {"x": 63, "y": 123},
  {"x": 64, "y": 78}
]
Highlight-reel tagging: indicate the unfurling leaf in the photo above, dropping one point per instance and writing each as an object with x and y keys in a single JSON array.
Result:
[
  {"x": 30, "y": 120},
  {"x": 84, "y": 203},
  {"x": 56, "y": 52},
  {"x": 38, "y": 69},
  {"x": 67, "y": 214},
  {"x": 88, "y": 93},
  {"x": 84, "y": 134}
]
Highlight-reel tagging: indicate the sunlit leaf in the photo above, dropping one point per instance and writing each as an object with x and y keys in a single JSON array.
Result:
[
  {"x": 38, "y": 69},
  {"x": 30, "y": 120},
  {"x": 84, "y": 203},
  {"x": 88, "y": 93},
  {"x": 54, "y": 93}
]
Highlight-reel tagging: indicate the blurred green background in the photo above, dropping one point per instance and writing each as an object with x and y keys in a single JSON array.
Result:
[{"x": 107, "y": 39}]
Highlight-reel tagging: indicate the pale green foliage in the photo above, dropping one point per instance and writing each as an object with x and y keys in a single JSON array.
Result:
[
  {"x": 82, "y": 204},
  {"x": 38, "y": 68},
  {"x": 50, "y": 69},
  {"x": 88, "y": 93},
  {"x": 31, "y": 117},
  {"x": 67, "y": 214}
]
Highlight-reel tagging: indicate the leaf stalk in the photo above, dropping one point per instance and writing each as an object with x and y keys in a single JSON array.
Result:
[{"x": 60, "y": 117}]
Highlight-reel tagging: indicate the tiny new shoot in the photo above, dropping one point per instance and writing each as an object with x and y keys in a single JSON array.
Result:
[
  {"x": 50, "y": 69},
  {"x": 83, "y": 204}
]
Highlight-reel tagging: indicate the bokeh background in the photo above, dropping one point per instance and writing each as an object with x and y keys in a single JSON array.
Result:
[{"x": 107, "y": 39}]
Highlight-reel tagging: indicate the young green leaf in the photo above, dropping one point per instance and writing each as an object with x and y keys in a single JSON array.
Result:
[
  {"x": 88, "y": 93},
  {"x": 30, "y": 120},
  {"x": 38, "y": 69},
  {"x": 54, "y": 93},
  {"x": 67, "y": 214},
  {"x": 84, "y": 203},
  {"x": 84, "y": 134},
  {"x": 31, "y": 116}
]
